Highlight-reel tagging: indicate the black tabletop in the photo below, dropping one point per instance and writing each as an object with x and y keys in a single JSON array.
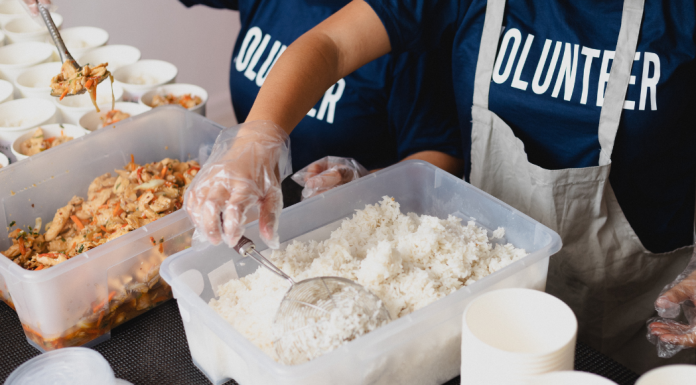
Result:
[{"x": 152, "y": 349}]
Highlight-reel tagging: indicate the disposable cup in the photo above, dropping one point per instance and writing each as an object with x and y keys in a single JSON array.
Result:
[
  {"x": 570, "y": 378},
  {"x": 68, "y": 366},
  {"x": 15, "y": 58},
  {"x": 4, "y": 161},
  {"x": 6, "y": 91},
  {"x": 91, "y": 121},
  {"x": 2, "y": 38},
  {"x": 143, "y": 76},
  {"x": 23, "y": 29},
  {"x": 10, "y": 10},
  {"x": 17, "y": 117},
  {"x": 116, "y": 55},
  {"x": 35, "y": 81},
  {"x": 80, "y": 40},
  {"x": 669, "y": 375},
  {"x": 72, "y": 108},
  {"x": 178, "y": 89},
  {"x": 50, "y": 131}
]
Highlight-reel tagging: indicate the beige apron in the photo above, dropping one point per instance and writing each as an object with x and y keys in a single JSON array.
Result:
[{"x": 603, "y": 271}]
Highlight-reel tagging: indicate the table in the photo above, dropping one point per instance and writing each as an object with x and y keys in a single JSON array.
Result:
[{"x": 152, "y": 349}]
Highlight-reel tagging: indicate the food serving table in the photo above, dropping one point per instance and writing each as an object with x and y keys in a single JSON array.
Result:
[{"x": 152, "y": 349}]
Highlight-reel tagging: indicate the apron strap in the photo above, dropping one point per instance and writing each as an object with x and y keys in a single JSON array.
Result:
[
  {"x": 618, "y": 77},
  {"x": 487, "y": 51}
]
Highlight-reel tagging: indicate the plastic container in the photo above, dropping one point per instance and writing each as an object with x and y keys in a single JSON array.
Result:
[
  {"x": 35, "y": 82},
  {"x": 50, "y": 131},
  {"x": 91, "y": 121},
  {"x": 420, "y": 348},
  {"x": 116, "y": 55},
  {"x": 17, "y": 117},
  {"x": 72, "y": 366},
  {"x": 69, "y": 304},
  {"x": 178, "y": 89}
]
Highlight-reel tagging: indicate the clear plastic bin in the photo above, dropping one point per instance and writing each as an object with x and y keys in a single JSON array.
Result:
[
  {"x": 421, "y": 348},
  {"x": 79, "y": 301}
]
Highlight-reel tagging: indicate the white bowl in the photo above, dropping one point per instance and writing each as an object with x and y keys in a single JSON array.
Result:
[
  {"x": 570, "y": 378},
  {"x": 10, "y": 10},
  {"x": 143, "y": 76},
  {"x": 6, "y": 91},
  {"x": 19, "y": 116},
  {"x": 73, "y": 107},
  {"x": 15, "y": 58},
  {"x": 35, "y": 81},
  {"x": 669, "y": 375},
  {"x": 2, "y": 38},
  {"x": 50, "y": 131},
  {"x": 116, "y": 55},
  {"x": 74, "y": 366},
  {"x": 4, "y": 161},
  {"x": 91, "y": 120},
  {"x": 178, "y": 90},
  {"x": 79, "y": 40},
  {"x": 23, "y": 29}
]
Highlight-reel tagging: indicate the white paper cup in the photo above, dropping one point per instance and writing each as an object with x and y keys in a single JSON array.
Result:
[
  {"x": 17, "y": 117},
  {"x": 669, "y": 375},
  {"x": 10, "y": 10},
  {"x": 15, "y": 58},
  {"x": 178, "y": 89},
  {"x": 23, "y": 29},
  {"x": 4, "y": 161},
  {"x": 80, "y": 40},
  {"x": 72, "y": 108},
  {"x": 6, "y": 91},
  {"x": 143, "y": 76},
  {"x": 50, "y": 131},
  {"x": 34, "y": 82},
  {"x": 2, "y": 38},
  {"x": 91, "y": 120},
  {"x": 116, "y": 55},
  {"x": 571, "y": 378}
]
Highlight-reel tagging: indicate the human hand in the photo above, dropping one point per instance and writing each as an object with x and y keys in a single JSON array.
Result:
[
  {"x": 245, "y": 168},
  {"x": 32, "y": 6},
  {"x": 327, "y": 173}
]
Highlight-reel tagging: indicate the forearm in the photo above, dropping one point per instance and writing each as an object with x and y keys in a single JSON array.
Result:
[
  {"x": 446, "y": 162},
  {"x": 318, "y": 59}
]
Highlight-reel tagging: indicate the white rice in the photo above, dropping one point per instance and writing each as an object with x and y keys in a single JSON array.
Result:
[{"x": 408, "y": 261}]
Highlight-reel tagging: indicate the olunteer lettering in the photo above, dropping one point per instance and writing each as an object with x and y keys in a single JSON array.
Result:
[{"x": 253, "y": 48}]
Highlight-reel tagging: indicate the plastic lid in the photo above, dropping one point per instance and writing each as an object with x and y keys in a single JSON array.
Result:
[{"x": 73, "y": 366}]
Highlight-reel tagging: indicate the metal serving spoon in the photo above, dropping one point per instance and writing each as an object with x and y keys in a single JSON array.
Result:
[{"x": 62, "y": 50}]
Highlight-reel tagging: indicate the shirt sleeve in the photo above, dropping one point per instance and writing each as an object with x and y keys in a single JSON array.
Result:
[
  {"x": 422, "y": 108},
  {"x": 417, "y": 25},
  {"x": 220, "y": 4}
]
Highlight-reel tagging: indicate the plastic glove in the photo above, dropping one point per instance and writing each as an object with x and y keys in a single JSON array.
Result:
[
  {"x": 245, "y": 168},
  {"x": 32, "y": 6},
  {"x": 327, "y": 173},
  {"x": 670, "y": 335}
]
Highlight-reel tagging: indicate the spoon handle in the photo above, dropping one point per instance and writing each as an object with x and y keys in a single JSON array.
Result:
[
  {"x": 246, "y": 248},
  {"x": 55, "y": 35}
]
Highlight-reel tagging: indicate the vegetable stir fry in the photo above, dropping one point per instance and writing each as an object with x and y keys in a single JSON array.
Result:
[
  {"x": 38, "y": 142},
  {"x": 114, "y": 206},
  {"x": 186, "y": 101},
  {"x": 70, "y": 81}
]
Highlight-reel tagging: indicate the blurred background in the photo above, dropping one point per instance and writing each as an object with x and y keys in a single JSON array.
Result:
[{"x": 198, "y": 40}]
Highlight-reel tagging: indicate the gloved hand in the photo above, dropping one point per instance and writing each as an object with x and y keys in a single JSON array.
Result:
[
  {"x": 32, "y": 6},
  {"x": 327, "y": 173},
  {"x": 669, "y": 335},
  {"x": 245, "y": 168}
]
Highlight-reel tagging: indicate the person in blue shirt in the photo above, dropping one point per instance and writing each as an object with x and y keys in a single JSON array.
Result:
[
  {"x": 579, "y": 114},
  {"x": 397, "y": 107}
]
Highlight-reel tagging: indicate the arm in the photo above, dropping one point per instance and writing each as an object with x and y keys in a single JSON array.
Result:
[
  {"x": 338, "y": 46},
  {"x": 446, "y": 162}
]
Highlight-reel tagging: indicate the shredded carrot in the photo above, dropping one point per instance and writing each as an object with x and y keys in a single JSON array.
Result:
[
  {"x": 161, "y": 248},
  {"x": 88, "y": 83},
  {"x": 140, "y": 174},
  {"x": 51, "y": 140},
  {"x": 192, "y": 168},
  {"x": 73, "y": 246},
  {"x": 101, "y": 316},
  {"x": 104, "y": 206},
  {"x": 164, "y": 171},
  {"x": 64, "y": 94},
  {"x": 118, "y": 211},
  {"x": 22, "y": 250},
  {"x": 152, "y": 240},
  {"x": 111, "y": 295},
  {"x": 77, "y": 221},
  {"x": 39, "y": 268},
  {"x": 103, "y": 228}
]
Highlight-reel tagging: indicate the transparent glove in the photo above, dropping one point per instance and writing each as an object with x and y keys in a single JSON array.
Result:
[
  {"x": 245, "y": 168},
  {"x": 669, "y": 335},
  {"x": 32, "y": 6},
  {"x": 327, "y": 173}
]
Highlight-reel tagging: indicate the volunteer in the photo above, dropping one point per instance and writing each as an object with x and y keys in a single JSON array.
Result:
[{"x": 397, "y": 107}]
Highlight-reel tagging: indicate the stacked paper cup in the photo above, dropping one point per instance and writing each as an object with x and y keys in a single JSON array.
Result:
[
  {"x": 669, "y": 375},
  {"x": 510, "y": 336},
  {"x": 570, "y": 378}
]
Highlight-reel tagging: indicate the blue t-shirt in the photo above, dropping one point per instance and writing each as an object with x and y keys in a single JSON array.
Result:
[
  {"x": 385, "y": 111},
  {"x": 551, "y": 92}
]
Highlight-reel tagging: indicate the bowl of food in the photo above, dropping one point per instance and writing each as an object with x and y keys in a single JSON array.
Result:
[
  {"x": 10, "y": 10},
  {"x": 79, "y": 40},
  {"x": 17, "y": 117},
  {"x": 44, "y": 138},
  {"x": 72, "y": 108},
  {"x": 24, "y": 29},
  {"x": 36, "y": 81},
  {"x": 15, "y": 58},
  {"x": 116, "y": 55},
  {"x": 189, "y": 96},
  {"x": 93, "y": 120},
  {"x": 143, "y": 76},
  {"x": 6, "y": 91}
]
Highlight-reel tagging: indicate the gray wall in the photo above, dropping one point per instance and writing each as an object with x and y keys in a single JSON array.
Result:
[{"x": 197, "y": 40}]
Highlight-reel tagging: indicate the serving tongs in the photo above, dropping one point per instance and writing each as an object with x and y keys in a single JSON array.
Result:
[{"x": 62, "y": 50}]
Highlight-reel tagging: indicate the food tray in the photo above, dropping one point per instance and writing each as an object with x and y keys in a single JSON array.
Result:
[
  {"x": 79, "y": 301},
  {"x": 421, "y": 348}
]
